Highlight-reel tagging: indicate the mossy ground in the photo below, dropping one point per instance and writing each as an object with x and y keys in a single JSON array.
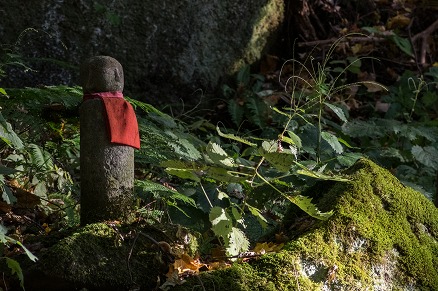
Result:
[
  {"x": 103, "y": 256},
  {"x": 383, "y": 236}
]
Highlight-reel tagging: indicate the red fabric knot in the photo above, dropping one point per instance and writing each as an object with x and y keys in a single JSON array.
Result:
[{"x": 121, "y": 120}]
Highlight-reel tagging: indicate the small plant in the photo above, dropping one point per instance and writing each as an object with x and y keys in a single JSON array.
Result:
[{"x": 405, "y": 138}]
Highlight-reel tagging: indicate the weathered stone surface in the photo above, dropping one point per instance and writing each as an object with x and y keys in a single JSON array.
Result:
[
  {"x": 168, "y": 48},
  {"x": 107, "y": 170}
]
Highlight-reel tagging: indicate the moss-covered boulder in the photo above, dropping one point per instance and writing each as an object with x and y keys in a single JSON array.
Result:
[
  {"x": 104, "y": 256},
  {"x": 382, "y": 236}
]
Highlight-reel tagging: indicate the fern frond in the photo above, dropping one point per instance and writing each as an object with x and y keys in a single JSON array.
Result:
[
  {"x": 40, "y": 159},
  {"x": 236, "y": 112},
  {"x": 144, "y": 186}
]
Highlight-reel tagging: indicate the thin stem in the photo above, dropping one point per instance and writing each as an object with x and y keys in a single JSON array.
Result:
[{"x": 206, "y": 196}]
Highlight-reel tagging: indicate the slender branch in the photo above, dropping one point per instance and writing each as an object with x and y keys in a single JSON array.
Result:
[
  {"x": 423, "y": 36},
  {"x": 350, "y": 39}
]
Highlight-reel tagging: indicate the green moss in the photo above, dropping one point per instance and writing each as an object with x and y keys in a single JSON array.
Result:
[
  {"x": 102, "y": 257},
  {"x": 382, "y": 236},
  {"x": 375, "y": 215}
]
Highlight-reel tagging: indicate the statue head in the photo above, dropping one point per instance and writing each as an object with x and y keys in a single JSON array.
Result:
[{"x": 101, "y": 74}]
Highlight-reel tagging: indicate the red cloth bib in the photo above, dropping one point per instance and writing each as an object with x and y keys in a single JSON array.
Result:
[{"x": 121, "y": 120}]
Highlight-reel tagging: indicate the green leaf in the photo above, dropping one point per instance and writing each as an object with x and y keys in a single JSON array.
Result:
[
  {"x": 8, "y": 135},
  {"x": 332, "y": 141},
  {"x": 149, "y": 186},
  {"x": 310, "y": 173},
  {"x": 244, "y": 75},
  {"x": 236, "y": 111},
  {"x": 258, "y": 109},
  {"x": 257, "y": 213},
  {"x": 40, "y": 158},
  {"x": 348, "y": 159},
  {"x": 15, "y": 269},
  {"x": 218, "y": 214},
  {"x": 237, "y": 242},
  {"x": 295, "y": 138},
  {"x": 428, "y": 156},
  {"x": 3, "y": 232},
  {"x": 223, "y": 175},
  {"x": 281, "y": 161},
  {"x": 31, "y": 256},
  {"x": 233, "y": 137},
  {"x": 237, "y": 215},
  {"x": 219, "y": 156},
  {"x": 7, "y": 195},
  {"x": 338, "y": 111},
  {"x": 403, "y": 44},
  {"x": 7, "y": 171},
  {"x": 280, "y": 112},
  {"x": 345, "y": 143},
  {"x": 2, "y": 91},
  {"x": 269, "y": 146},
  {"x": 305, "y": 203},
  {"x": 144, "y": 106}
]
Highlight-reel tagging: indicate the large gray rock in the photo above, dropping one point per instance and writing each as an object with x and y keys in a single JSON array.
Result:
[{"x": 166, "y": 47}]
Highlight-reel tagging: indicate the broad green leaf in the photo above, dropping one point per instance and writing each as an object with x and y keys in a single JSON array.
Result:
[
  {"x": 403, "y": 44},
  {"x": 7, "y": 195},
  {"x": 15, "y": 269},
  {"x": 237, "y": 216},
  {"x": 182, "y": 146},
  {"x": 305, "y": 204},
  {"x": 332, "y": 141},
  {"x": 237, "y": 242},
  {"x": 428, "y": 156},
  {"x": 269, "y": 146},
  {"x": 256, "y": 212},
  {"x": 218, "y": 214},
  {"x": 281, "y": 161},
  {"x": 7, "y": 171},
  {"x": 348, "y": 159},
  {"x": 234, "y": 137},
  {"x": 8, "y": 135},
  {"x": 223, "y": 175},
  {"x": 219, "y": 156},
  {"x": 295, "y": 138},
  {"x": 338, "y": 111}
]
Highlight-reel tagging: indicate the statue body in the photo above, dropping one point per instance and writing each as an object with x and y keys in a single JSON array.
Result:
[{"x": 106, "y": 169}]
